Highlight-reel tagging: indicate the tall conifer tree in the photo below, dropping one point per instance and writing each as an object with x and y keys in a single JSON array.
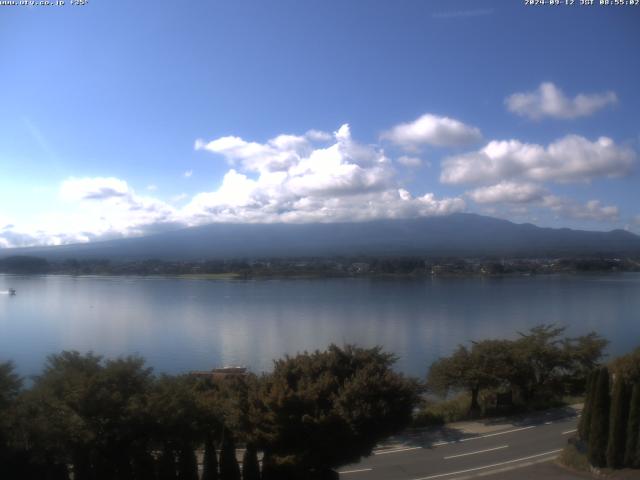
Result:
[
  {"x": 229, "y": 468},
  {"x": 585, "y": 419},
  {"x": 210, "y": 467},
  {"x": 618, "y": 423},
  {"x": 633, "y": 429},
  {"x": 599, "y": 431},
  {"x": 250, "y": 466}
]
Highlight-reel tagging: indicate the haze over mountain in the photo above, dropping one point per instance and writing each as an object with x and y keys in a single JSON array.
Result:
[{"x": 451, "y": 235}]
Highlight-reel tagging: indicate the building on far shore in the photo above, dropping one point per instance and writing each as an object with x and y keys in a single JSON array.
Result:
[{"x": 220, "y": 373}]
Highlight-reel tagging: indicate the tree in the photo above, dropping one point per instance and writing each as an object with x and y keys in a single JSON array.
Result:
[
  {"x": 250, "y": 466},
  {"x": 229, "y": 469},
  {"x": 583, "y": 357},
  {"x": 599, "y": 430},
  {"x": 628, "y": 366},
  {"x": 326, "y": 409},
  {"x": 187, "y": 463},
  {"x": 541, "y": 359},
  {"x": 585, "y": 419},
  {"x": 618, "y": 423},
  {"x": 210, "y": 463},
  {"x": 489, "y": 364},
  {"x": 631, "y": 458}
]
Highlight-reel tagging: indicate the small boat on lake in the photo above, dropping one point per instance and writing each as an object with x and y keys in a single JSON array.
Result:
[{"x": 12, "y": 291}]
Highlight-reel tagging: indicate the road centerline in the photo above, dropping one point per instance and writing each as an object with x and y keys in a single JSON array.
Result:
[
  {"x": 360, "y": 470},
  {"x": 476, "y": 452},
  {"x": 484, "y": 467},
  {"x": 396, "y": 450}
]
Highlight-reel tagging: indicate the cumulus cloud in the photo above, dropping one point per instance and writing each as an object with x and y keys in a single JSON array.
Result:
[
  {"x": 518, "y": 197},
  {"x": 96, "y": 188},
  {"x": 298, "y": 181},
  {"x": 98, "y": 208},
  {"x": 549, "y": 101},
  {"x": 188, "y": 174},
  {"x": 508, "y": 192},
  {"x": 289, "y": 178},
  {"x": 570, "y": 159},
  {"x": 592, "y": 210},
  {"x": 432, "y": 130}
]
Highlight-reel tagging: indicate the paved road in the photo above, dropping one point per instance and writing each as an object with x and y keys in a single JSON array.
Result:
[{"x": 466, "y": 457}]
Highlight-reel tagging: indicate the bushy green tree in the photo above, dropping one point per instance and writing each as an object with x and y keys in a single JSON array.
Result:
[
  {"x": 599, "y": 430},
  {"x": 632, "y": 447},
  {"x": 628, "y": 366},
  {"x": 488, "y": 364},
  {"x": 618, "y": 423},
  {"x": 326, "y": 409}
]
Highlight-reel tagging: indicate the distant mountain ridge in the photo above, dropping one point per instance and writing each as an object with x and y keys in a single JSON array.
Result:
[{"x": 460, "y": 234}]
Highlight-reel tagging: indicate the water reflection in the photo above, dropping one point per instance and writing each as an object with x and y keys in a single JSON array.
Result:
[{"x": 180, "y": 325}]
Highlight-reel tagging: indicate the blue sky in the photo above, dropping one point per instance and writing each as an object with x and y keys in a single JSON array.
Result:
[{"x": 124, "y": 118}]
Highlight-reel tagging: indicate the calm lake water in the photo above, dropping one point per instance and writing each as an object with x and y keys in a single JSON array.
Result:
[{"x": 180, "y": 325}]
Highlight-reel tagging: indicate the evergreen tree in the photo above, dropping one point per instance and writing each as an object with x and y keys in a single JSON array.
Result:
[
  {"x": 599, "y": 430},
  {"x": 187, "y": 464},
  {"x": 633, "y": 429},
  {"x": 143, "y": 464},
  {"x": 585, "y": 418},
  {"x": 250, "y": 466},
  {"x": 229, "y": 468},
  {"x": 167, "y": 464},
  {"x": 268, "y": 467},
  {"x": 618, "y": 423},
  {"x": 210, "y": 467}
]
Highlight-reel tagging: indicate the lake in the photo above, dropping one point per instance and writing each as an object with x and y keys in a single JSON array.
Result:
[{"x": 180, "y": 325}]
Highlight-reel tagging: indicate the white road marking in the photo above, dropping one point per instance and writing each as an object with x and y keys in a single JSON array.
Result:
[
  {"x": 439, "y": 444},
  {"x": 440, "y": 475},
  {"x": 355, "y": 471},
  {"x": 396, "y": 450},
  {"x": 548, "y": 423},
  {"x": 479, "y": 451},
  {"x": 497, "y": 433},
  {"x": 570, "y": 431}
]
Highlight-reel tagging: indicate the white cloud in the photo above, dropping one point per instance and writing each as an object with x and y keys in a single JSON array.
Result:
[
  {"x": 152, "y": 188},
  {"x": 592, "y": 210},
  {"x": 411, "y": 162},
  {"x": 299, "y": 182},
  {"x": 549, "y": 101},
  {"x": 188, "y": 174},
  {"x": 432, "y": 130},
  {"x": 518, "y": 197},
  {"x": 287, "y": 179},
  {"x": 96, "y": 188},
  {"x": 570, "y": 159},
  {"x": 508, "y": 192}
]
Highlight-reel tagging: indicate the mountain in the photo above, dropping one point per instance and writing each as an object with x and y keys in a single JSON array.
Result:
[{"x": 452, "y": 235}]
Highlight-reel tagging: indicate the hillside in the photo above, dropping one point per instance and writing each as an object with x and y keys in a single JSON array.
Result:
[{"x": 453, "y": 235}]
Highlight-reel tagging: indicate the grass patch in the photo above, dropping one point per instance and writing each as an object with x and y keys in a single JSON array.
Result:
[
  {"x": 572, "y": 457},
  {"x": 439, "y": 413}
]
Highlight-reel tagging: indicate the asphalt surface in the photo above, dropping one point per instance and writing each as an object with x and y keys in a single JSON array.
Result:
[{"x": 467, "y": 456}]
